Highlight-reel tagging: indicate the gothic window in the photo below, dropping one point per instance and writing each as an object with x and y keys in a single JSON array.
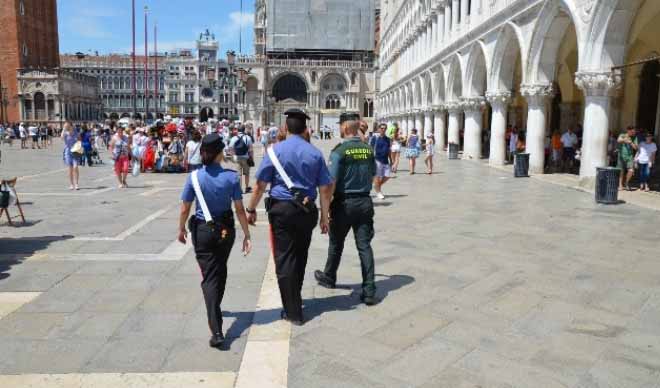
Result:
[
  {"x": 353, "y": 78},
  {"x": 332, "y": 102},
  {"x": 313, "y": 77},
  {"x": 21, "y": 8},
  {"x": 368, "y": 108}
]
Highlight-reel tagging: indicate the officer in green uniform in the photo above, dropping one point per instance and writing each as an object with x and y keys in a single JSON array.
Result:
[{"x": 353, "y": 168}]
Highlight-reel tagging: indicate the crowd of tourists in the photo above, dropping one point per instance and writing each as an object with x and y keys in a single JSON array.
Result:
[{"x": 29, "y": 135}]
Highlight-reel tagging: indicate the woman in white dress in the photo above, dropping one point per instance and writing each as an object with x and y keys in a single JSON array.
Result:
[
  {"x": 395, "y": 150},
  {"x": 430, "y": 152}
]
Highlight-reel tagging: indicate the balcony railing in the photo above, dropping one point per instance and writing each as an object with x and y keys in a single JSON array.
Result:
[{"x": 304, "y": 63}]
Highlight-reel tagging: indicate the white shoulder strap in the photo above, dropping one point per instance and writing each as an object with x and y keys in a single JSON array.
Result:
[
  {"x": 278, "y": 166},
  {"x": 200, "y": 197}
]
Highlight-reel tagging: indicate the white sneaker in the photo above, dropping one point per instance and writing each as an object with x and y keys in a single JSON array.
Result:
[
  {"x": 71, "y": 187},
  {"x": 380, "y": 196}
]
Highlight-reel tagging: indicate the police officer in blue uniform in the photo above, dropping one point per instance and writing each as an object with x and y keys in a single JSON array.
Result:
[
  {"x": 213, "y": 239},
  {"x": 353, "y": 166},
  {"x": 292, "y": 211}
]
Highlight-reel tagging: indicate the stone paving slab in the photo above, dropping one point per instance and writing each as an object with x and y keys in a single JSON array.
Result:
[
  {"x": 508, "y": 283},
  {"x": 104, "y": 322},
  {"x": 485, "y": 281}
]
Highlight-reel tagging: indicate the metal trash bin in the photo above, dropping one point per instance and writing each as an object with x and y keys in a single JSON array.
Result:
[
  {"x": 453, "y": 151},
  {"x": 607, "y": 185},
  {"x": 521, "y": 166}
]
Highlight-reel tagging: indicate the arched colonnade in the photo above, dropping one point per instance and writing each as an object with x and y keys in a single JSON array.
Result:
[{"x": 511, "y": 74}]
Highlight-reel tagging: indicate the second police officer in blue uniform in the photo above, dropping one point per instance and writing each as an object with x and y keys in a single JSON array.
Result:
[
  {"x": 291, "y": 207},
  {"x": 214, "y": 191},
  {"x": 353, "y": 167}
]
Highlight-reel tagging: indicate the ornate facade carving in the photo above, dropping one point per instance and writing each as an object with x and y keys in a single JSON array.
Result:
[
  {"x": 536, "y": 95},
  {"x": 598, "y": 83}
]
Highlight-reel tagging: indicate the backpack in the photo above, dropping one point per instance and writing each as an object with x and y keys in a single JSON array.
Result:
[{"x": 241, "y": 148}]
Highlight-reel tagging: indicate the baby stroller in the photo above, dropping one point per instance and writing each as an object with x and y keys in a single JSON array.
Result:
[{"x": 94, "y": 155}]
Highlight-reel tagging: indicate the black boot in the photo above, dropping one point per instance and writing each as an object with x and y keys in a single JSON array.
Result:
[
  {"x": 324, "y": 280},
  {"x": 295, "y": 322},
  {"x": 216, "y": 340}
]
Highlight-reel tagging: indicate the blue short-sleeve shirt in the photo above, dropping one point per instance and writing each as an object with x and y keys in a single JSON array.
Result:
[
  {"x": 304, "y": 164},
  {"x": 220, "y": 188}
]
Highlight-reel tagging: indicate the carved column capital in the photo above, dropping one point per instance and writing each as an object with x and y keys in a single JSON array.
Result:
[
  {"x": 536, "y": 95},
  {"x": 599, "y": 84},
  {"x": 499, "y": 98},
  {"x": 473, "y": 104},
  {"x": 439, "y": 108},
  {"x": 454, "y": 107}
]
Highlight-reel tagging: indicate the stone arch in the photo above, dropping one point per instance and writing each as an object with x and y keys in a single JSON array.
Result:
[
  {"x": 417, "y": 92},
  {"x": 509, "y": 45},
  {"x": 553, "y": 21},
  {"x": 438, "y": 85},
  {"x": 427, "y": 92},
  {"x": 335, "y": 75},
  {"x": 252, "y": 84},
  {"x": 609, "y": 31},
  {"x": 455, "y": 80},
  {"x": 476, "y": 72},
  {"x": 290, "y": 85},
  {"x": 406, "y": 97}
]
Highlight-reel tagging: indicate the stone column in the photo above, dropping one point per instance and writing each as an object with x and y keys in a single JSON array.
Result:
[
  {"x": 537, "y": 97},
  {"x": 411, "y": 122},
  {"x": 447, "y": 27},
  {"x": 464, "y": 15},
  {"x": 419, "y": 123},
  {"x": 499, "y": 102},
  {"x": 428, "y": 122},
  {"x": 597, "y": 88},
  {"x": 454, "y": 109},
  {"x": 439, "y": 127},
  {"x": 441, "y": 30},
  {"x": 473, "y": 108},
  {"x": 435, "y": 34},
  {"x": 455, "y": 9}
]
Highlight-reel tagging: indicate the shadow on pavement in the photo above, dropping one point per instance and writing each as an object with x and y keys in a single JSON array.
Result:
[
  {"x": 14, "y": 251},
  {"x": 313, "y": 308},
  {"x": 317, "y": 307},
  {"x": 242, "y": 322}
]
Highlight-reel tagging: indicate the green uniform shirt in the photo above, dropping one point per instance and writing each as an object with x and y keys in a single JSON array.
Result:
[
  {"x": 626, "y": 150},
  {"x": 353, "y": 167}
]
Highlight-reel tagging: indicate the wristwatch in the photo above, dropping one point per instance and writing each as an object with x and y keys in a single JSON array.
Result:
[{"x": 251, "y": 211}]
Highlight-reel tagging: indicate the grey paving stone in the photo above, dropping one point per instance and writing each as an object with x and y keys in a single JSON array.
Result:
[
  {"x": 88, "y": 325},
  {"x": 21, "y": 325},
  {"x": 125, "y": 355},
  {"x": 166, "y": 299},
  {"x": 114, "y": 301},
  {"x": 143, "y": 324},
  {"x": 195, "y": 355},
  {"x": 46, "y": 356},
  {"x": 417, "y": 364}
]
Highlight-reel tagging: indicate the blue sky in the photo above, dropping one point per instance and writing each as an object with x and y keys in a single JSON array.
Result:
[{"x": 105, "y": 25}]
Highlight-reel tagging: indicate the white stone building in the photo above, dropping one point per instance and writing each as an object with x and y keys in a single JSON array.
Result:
[
  {"x": 199, "y": 84},
  {"x": 460, "y": 68},
  {"x": 293, "y": 67},
  {"x": 57, "y": 95}
]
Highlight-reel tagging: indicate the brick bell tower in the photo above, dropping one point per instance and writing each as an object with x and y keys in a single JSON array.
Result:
[{"x": 30, "y": 40}]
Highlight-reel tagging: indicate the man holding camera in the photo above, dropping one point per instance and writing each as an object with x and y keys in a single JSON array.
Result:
[
  {"x": 353, "y": 166},
  {"x": 294, "y": 169}
]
